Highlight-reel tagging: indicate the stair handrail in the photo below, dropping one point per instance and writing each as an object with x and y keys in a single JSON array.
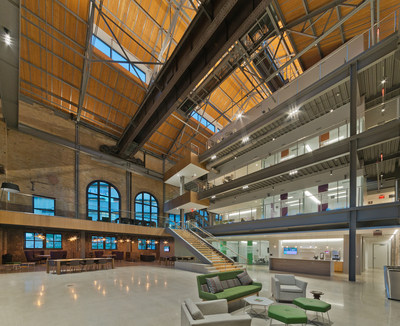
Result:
[
  {"x": 190, "y": 224},
  {"x": 177, "y": 224}
]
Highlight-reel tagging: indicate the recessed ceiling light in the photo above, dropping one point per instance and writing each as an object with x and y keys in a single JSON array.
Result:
[
  {"x": 7, "y": 37},
  {"x": 383, "y": 81},
  {"x": 213, "y": 197},
  {"x": 245, "y": 139},
  {"x": 245, "y": 187},
  {"x": 239, "y": 115},
  {"x": 213, "y": 157},
  {"x": 331, "y": 110}
]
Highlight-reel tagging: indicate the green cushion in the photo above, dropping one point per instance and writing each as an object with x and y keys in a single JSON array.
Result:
[
  {"x": 312, "y": 304},
  {"x": 287, "y": 314},
  {"x": 238, "y": 292}
]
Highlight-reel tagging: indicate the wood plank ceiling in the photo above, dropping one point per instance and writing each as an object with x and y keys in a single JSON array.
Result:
[{"x": 53, "y": 48}]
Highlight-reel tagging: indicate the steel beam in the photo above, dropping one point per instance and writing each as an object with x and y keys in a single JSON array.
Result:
[
  {"x": 87, "y": 59},
  {"x": 9, "y": 61},
  {"x": 202, "y": 46},
  {"x": 307, "y": 10}
]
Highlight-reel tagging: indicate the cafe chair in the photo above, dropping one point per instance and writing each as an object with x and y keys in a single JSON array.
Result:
[
  {"x": 73, "y": 265},
  {"x": 103, "y": 263}
]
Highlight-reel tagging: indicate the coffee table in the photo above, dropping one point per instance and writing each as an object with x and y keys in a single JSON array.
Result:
[{"x": 257, "y": 301}]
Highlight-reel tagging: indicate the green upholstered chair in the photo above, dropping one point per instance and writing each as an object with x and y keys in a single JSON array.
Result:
[
  {"x": 287, "y": 314},
  {"x": 318, "y": 306}
]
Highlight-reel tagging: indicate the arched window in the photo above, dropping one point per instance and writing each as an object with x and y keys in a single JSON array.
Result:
[
  {"x": 103, "y": 202},
  {"x": 146, "y": 209}
]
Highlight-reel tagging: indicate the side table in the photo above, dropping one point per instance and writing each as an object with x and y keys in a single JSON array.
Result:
[{"x": 317, "y": 294}]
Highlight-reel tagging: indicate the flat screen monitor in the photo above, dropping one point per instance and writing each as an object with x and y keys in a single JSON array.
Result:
[
  {"x": 166, "y": 248},
  {"x": 290, "y": 251}
]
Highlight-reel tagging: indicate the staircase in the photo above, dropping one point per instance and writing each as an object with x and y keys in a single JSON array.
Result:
[{"x": 218, "y": 261}]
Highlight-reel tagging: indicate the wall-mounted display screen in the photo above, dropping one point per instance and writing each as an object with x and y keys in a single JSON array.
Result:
[
  {"x": 166, "y": 248},
  {"x": 290, "y": 251}
]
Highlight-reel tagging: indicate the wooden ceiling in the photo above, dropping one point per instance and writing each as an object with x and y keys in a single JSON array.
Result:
[{"x": 53, "y": 49}]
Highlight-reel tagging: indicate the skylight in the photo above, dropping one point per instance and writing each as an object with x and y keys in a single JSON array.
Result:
[
  {"x": 203, "y": 121},
  {"x": 114, "y": 55}
]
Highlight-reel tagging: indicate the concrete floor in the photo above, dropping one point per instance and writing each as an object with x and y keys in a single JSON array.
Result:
[{"x": 151, "y": 295}]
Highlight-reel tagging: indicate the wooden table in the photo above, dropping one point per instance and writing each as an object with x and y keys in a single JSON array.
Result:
[{"x": 60, "y": 261}]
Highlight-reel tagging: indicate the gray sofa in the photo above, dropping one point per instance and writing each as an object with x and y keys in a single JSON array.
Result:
[
  {"x": 211, "y": 313},
  {"x": 287, "y": 287}
]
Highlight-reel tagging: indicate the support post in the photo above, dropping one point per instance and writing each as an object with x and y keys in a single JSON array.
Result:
[
  {"x": 353, "y": 174},
  {"x": 82, "y": 241},
  {"x": 181, "y": 191},
  {"x": 372, "y": 32},
  {"x": 129, "y": 194},
  {"x": 166, "y": 220},
  {"x": 77, "y": 170}
]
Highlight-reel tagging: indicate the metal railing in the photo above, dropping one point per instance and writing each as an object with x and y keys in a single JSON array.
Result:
[{"x": 191, "y": 225}]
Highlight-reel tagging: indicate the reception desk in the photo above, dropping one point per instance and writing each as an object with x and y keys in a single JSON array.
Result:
[{"x": 302, "y": 266}]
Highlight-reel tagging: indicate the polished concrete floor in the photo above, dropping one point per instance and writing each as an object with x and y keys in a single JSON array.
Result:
[{"x": 151, "y": 295}]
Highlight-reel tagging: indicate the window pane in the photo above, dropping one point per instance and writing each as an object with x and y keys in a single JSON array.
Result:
[
  {"x": 117, "y": 57},
  {"x": 104, "y": 215},
  {"x": 29, "y": 244},
  {"x": 57, "y": 245},
  {"x": 104, "y": 189},
  {"x": 29, "y": 236},
  {"x": 94, "y": 216},
  {"x": 103, "y": 47},
  {"x": 114, "y": 205},
  {"x": 57, "y": 237},
  {"x": 93, "y": 188},
  {"x": 39, "y": 244},
  {"x": 92, "y": 203},
  {"x": 104, "y": 204},
  {"x": 138, "y": 208},
  {"x": 114, "y": 193},
  {"x": 43, "y": 205},
  {"x": 49, "y": 245}
]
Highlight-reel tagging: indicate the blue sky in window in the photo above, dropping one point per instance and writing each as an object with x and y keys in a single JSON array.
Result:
[{"x": 114, "y": 55}]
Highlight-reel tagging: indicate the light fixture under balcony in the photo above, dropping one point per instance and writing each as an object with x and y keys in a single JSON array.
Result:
[{"x": 9, "y": 187}]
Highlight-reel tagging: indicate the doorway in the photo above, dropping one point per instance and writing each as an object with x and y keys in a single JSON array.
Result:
[{"x": 380, "y": 255}]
